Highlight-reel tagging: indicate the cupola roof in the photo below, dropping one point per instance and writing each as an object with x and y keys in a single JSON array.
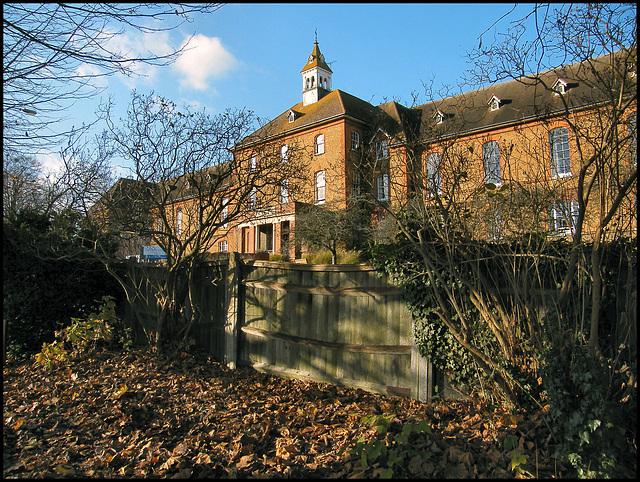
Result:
[{"x": 316, "y": 59}]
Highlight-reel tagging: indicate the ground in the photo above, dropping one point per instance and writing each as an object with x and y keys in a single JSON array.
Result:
[{"x": 139, "y": 414}]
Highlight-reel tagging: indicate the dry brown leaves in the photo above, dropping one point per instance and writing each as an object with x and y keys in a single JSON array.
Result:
[{"x": 143, "y": 415}]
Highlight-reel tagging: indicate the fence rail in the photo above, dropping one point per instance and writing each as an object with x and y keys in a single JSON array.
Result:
[{"x": 341, "y": 324}]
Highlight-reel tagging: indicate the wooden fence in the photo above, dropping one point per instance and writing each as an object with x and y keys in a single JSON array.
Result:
[{"x": 341, "y": 324}]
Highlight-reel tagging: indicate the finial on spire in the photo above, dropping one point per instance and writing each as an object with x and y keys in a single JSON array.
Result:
[{"x": 316, "y": 35}]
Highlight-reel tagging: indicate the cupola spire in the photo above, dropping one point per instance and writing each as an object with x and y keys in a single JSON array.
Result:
[{"x": 316, "y": 76}]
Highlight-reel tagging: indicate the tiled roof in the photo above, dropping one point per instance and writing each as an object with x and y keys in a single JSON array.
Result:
[
  {"x": 521, "y": 99},
  {"x": 333, "y": 105}
]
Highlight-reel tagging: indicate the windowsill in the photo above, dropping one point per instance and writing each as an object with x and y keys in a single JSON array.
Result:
[{"x": 561, "y": 176}]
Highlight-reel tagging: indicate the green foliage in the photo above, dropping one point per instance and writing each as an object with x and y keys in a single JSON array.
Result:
[
  {"x": 48, "y": 277},
  {"x": 515, "y": 453},
  {"x": 580, "y": 410},
  {"x": 82, "y": 336},
  {"x": 389, "y": 447}
]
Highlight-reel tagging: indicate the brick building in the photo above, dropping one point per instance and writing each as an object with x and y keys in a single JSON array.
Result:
[{"x": 536, "y": 133}]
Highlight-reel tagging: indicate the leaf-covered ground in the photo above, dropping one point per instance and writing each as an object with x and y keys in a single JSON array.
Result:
[{"x": 138, "y": 414}]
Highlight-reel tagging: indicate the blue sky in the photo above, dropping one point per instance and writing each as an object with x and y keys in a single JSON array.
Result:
[{"x": 250, "y": 55}]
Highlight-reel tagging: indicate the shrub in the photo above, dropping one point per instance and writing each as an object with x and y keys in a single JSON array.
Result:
[
  {"x": 344, "y": 257},
  {"x": 48, "y": 278},
  {"x": 82, "y": 336}
]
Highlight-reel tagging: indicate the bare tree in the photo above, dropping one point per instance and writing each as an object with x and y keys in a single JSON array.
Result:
[
  {"x": 54, "y": 52},
  {"x": 326, "y": 228},
  {"x": 193, "y": 181},
  {"x": 448, "y": 203},
  {"x": 73, "y": 187}
]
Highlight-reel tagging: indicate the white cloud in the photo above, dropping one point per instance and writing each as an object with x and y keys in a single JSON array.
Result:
[
  {"x": 50, "y": 163},
  {"x": 140, "y": 45},
  {"x": 204, "y": 58},
  {"x": 93, "y": 75}
]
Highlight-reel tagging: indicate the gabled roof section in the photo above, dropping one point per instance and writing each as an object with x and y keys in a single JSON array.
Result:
[
  {"x": 334, "y": 105},
  {"x": 522, "y": 99}
]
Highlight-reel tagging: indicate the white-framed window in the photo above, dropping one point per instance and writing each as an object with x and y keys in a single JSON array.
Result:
[
  {"x": 223, "y": 246},
  {"x": 382, "y": 150},
  {"x": 318, "y": 144},
  {"x": 355, "y": 140},
  {"x": 319, "y": 187},
  {"x": 383, "y": 187},
  {"x": 251, "y": 201},
  {"x": 253, "y": 162},
  {"x": 284, "y": 191},
  {"x": 160, "y": 225},
  {"x": 284, "y": 153},
  {"x": 432, "y": 172},
  {"x": 563, "y": 216},
  {"x": 560, "y": 87},
  {"x": 491, "y": 160},
  {"x": 560, "y": 155},
  {"x": 224, "y": 212},
  {"x": 494, "y": 103},
  {"x": 357, "y": 183},
  {"x": 179, "y": 222}
]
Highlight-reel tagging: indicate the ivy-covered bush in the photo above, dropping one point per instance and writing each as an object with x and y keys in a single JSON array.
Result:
[
  {"x": 589, "y": 398},
  {"x": 48, "y": 278}
]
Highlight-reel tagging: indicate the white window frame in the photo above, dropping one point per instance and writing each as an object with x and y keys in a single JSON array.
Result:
[
  {"x": 284, "y": 153},
  {"x": 560, "y": 87},
  {"x": 563, "y": 216},
  {"x": 491, "y": 162},
  {"x": 357, "y": 183},
  {"x": 560, "y": 151},
  {"x": 320, "y": 187},
  {"x": 179, "y": 222},
  {"x": 284, "y": 191},
  {"x": 494, "y": 103},
  {"x": 252, "y": 199},
  {"x": 224, "y": 212},
  {"x": 355, "y": 140},
  {"x": 318, "y": 144},
  {"x": 432, "y": 173},
  {"x": 253, "y": 162},
  {"x": 383, "y": 187},
  {"x": 223, "y": 246},
  {"x": 382, "y": 149}
]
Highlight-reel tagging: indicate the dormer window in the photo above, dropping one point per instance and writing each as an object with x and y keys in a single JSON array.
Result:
[
  {"x": 494, "y": 103},
  {"x": 560, "y": 87},
  {"x": 439, "y": 117},
  {"x": 291, "y": 116}
]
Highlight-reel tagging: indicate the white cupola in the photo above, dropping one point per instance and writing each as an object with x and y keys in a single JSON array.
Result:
[{"x": 316, "y": 77}]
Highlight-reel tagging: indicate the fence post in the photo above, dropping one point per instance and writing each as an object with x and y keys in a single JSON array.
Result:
[
  {"x": 232, "y": 283},
  {"x": 421, "y": 375}
]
